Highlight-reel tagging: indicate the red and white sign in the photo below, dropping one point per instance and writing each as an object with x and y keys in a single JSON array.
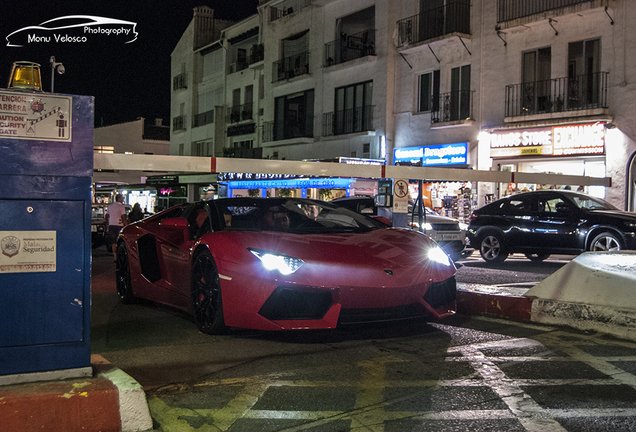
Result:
[{"x": 401, "y": 196}]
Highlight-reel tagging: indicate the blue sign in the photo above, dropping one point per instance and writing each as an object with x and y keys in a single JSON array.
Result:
[
  {"x": 298, "y": 183},
  {"x": 441, "y": 154}
]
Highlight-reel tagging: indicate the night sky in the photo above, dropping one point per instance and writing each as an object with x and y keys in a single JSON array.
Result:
[{"x": 127, "y": 80}]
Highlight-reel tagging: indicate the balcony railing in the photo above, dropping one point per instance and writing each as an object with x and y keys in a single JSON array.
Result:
[
  {"x": 282, "y": 130},
  {"x": 179, "y": 82},
  {"x": 557, "y": 95},
  {"x": 454, "y": 17},
  {"x": 256, "y": 54},
  {"x": 178, "y": 123},
  {"x": 290, "y": 67},
  {"x": 453, "y": 106},
  {"x": 513, "y": 9},
  {"x": 350, "y": 47},
  {"x": 240, "y": 113},
  {"x": 348, "y": 121},
  {"x": 288, "y": 7},
  {"x": 203, "y": 118}
]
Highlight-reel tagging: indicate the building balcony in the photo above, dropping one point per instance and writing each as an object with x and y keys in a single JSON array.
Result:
[
  {"x": 179, "y": 82},
  {"x": 350, "y": 47},
  {"x": 256, "y": 54},
  {"x": 558, "y": 95},
  {"x": 348, "y": 121},
  {"x": 287, "y": 7},
  {"x": 508, "y": 10},
  {"x": 179, "y": 123},
  {"x": 203, "y": 118},
  {"x": 452, "y": 108},
  {"x": 291, "y": 67},
  {"x": 435, "y": 23},
  {"x": 283, "y": 130},
  {"x": 240, "y": 113}
]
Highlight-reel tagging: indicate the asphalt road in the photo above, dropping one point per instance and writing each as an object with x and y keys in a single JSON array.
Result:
[{"x": 459, "y": 374}]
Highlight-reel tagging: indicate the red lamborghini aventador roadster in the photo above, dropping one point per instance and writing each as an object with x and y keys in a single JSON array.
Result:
[{"x": 282, "y": 263}]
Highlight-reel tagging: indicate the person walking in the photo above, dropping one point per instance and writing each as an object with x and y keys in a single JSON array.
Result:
[{"x": 116, "y": 219}]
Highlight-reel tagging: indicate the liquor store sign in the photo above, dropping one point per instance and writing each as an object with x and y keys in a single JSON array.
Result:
[
  {"x": 35, "y": 116},
  {"x": 566, "y": 140}
]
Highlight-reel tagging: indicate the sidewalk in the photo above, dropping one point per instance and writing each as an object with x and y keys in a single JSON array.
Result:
[{"x": 108, "y": 401}]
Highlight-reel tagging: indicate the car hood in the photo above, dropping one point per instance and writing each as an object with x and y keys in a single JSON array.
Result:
[{"x": 401, "y": 251}]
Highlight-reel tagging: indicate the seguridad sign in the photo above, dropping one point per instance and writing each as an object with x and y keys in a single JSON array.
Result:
[{"x": 566, "y": 140}]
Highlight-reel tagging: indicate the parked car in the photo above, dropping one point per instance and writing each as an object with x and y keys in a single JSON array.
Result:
[
  {"x": 542, "y": 223},
  {"x": 98, "y": 225},
  {"x": 280, "y": 264},
  {"x": 449, "y": 233}
]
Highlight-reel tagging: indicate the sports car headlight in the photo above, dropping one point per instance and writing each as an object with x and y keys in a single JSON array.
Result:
[
  {"x": 285, "y": 264},
  {"x": 439, "y": 256}
]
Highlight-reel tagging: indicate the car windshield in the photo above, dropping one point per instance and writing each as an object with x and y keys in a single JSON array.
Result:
[
  {"x": 294, "y": 215},
  {"x": 591, "y": 203}
]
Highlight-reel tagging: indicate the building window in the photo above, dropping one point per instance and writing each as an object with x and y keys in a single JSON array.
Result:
[
  {"x": 200, "y": 148},
  {"x": 294, "y": 116},
  {"x": 428, "y": 92},
  {"x": 460, "y": 93},
  {"x": 181, "y": 147},
  {"x": 535, "y": 78},
  {"x": 353, "y": 108},
  {"x": 366, "y": 150}
]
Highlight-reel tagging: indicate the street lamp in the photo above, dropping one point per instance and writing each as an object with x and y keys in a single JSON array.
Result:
[{"x": 60, "y": 69}]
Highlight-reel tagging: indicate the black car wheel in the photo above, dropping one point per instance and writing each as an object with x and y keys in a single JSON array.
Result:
[
  {"x": 605, "y": 242},
  {"x": 207, "y": 305},
  {"x": 537, "y": 257},
  {"x": 492, "y": 248},
  {"x": 122, "y": 275}
]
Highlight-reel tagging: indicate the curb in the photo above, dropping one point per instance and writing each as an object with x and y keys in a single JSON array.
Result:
[
  {"x": 502, "y": 301},
  {"x": 108, "y": 401}
]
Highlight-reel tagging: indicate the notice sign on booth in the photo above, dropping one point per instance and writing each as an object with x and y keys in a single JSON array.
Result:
[
  {"x": 28, "y": 251},
  {"x": 35, "y": 116},
  {"x": 401, "y": 196}
]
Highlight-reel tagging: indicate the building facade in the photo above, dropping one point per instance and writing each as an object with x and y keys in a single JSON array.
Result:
[{"x": 514, "y": 85}]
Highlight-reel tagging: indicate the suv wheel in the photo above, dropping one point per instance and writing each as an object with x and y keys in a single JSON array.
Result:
[{"x": 492, "y": 248}]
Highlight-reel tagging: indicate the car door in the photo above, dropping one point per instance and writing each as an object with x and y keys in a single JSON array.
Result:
[
  {"x": 520, "y": 213},
  {"x": 556, "y": 226}
]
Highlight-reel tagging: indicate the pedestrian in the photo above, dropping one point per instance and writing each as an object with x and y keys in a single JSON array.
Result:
[
  {"x": 116, "y": 219},
  {"x": 136, "y": 213}
]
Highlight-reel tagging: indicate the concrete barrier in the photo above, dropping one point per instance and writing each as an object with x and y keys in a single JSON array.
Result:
[{"x": 595, "y": 291}]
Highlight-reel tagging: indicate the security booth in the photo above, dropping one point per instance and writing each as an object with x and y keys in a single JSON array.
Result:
[{"x": 46, "y": 142}]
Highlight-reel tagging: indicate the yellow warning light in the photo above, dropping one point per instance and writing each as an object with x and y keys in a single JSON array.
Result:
[{"x": 25, "y": 75}]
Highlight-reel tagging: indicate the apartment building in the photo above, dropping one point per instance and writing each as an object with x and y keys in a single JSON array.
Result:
[{"x": 514, "y": 85}]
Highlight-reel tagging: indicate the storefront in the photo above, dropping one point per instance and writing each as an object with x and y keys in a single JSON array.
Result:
[
  {"x": 284, "y": 185},
  {"x": 454, "y": 199},
  {"x": 575, "y": 149}
]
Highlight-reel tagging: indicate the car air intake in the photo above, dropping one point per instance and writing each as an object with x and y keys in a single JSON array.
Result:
[
  {"x": 441, "y": 293},
  {"x": 292, "y": 303}
]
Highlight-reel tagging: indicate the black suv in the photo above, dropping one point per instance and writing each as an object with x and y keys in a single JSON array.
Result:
[{"x": 541, "y": 223}]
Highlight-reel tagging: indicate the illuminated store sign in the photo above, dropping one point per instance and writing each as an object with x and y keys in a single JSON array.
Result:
[
  {"x": 297, "y": 183},
  {"x": 569, "y": 140},
  {"x": 442, "y": 154}
]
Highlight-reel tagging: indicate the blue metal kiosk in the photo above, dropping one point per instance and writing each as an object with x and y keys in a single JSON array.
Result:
[{"x": 46, "y": 168}]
